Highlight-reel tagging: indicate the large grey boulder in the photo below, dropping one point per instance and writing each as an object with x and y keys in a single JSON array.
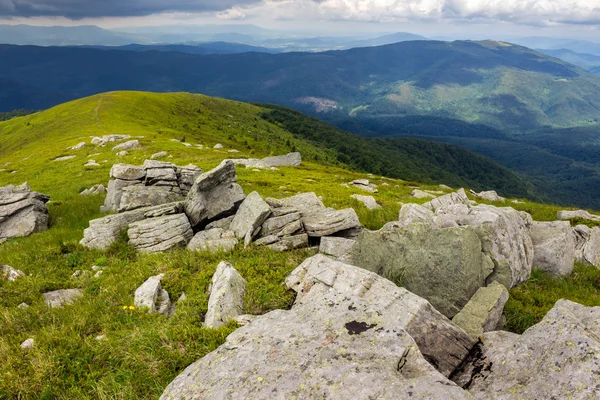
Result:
[
  {"x": 288, "y": 160},
  {"x": 127, "y": 172},
  {"x": 8, "y": 273},
  {"x": 114, "y": 193},
  {"x": 214, "y": 195},
  {"x": 338, "y": 248},
  {"x": 286, "y": 243},
  {"x": 442, "y": 343},
  {"x": 62, "y": 297},
  {"x": 556, "y": 359},
  {"x": 444, "y": 266},
  {"x": 587, "y": 245},
  {"x": 139, "y": 196},
  {"x": 249, "y": 218},
  {"x": 22, "y": 212},
  {"x": 553, "y": 247},
  {"x": 413, "y": 213},
  {"x": 213, "y": 240},
  {"x": 484, "y": 311},
  {"x": 282, "y": 225},
  {"x": 151, "y": 296},
  {"x": 458, "y": 197},
  {"x": 566, "y": 215},
  {"x": 489, "y": 195},
  {"x": 335, "y": 347},
  {"x": 159, "y": 234},
  {"x": 103, "y": 232},
  {"x": 328, "y": 222},
  {"x": 187, "y": 176},
  {"x": 226, "y": 299}
]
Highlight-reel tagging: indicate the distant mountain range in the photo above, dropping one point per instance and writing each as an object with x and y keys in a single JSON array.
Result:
[{"x": 583, "y": 60}]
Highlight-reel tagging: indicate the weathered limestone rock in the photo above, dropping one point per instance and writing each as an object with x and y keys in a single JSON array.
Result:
[
  {"x": 368, "y": 201},
  {"x": 114, "y": 194},
  {"x": 337, "y": 248},
  {"x": 483, "y": 312},
  {"x": 28, "y": 344},
  {"x": 22, "y": 212},
  {"x": 101, "y": 141},
  {"x": 226, "y": 299},
  {"x": 442, "y": 343},
  {"x": 303, "y": 203},
  {"x": 587, "y": 247},
  {"x": 364, "y": 184},
  {"x": 553, "y": 247},
  {"x": 567, "y": 215},
  {"x": 214, "y": 195},
  {"x": 91, "y": 163},
  {"x": 78, "y": 146},
  {"x": 103, "y": 232},
  {"x": 414, "y": 213},
  {"x": 132, "y": 144},
  {"x": 490, "y": 195},
  {"x": 328, "y": 222},
  {"x": 223, "y": 223},
  {"x": 160, "y": 154},
  {"x": 160, "y": 234},
  {"x": 288, "y": 160},
  {"x": 213, "y": 240},
  {"x": 283, "y": 225},
  {"x": 444, "y": 266},
  {"x": 139, "y": 196},
  {"x": 249, "y": 218},
  {"x": 556, "y": 359},
  {"x": 64, "y": 158},
  {"x": 8, "y": 273},
  {"x": 94, "y": 190},
  {"x": 61, "y": 298},
  {"x": 334, "y": 348},
  {"x": 187, "y": 177},
  {"x": 152, "y": 296},
  {"x": 286, "y": 243},
  {"x": 127, "y": 172},
  {"x": 218, "y": 146},
  {"x": 458, "y": 197},
  {"x": 419, "y": 194}
]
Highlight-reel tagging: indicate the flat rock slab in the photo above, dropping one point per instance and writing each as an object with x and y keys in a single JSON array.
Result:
[
  {"x": 226, "y": 299},
  {"x": 61, "y": 298},
  {"x": 336, "y": 347},
  {"x": 328, "y": 222},
  {"x": 155, "y": 235}
]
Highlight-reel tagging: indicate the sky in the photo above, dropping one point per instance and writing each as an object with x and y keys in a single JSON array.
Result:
[{"x": 564, "y": 18}]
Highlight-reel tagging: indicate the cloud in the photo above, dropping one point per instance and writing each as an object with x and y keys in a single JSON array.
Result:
[{"x": 78, "y": 9}]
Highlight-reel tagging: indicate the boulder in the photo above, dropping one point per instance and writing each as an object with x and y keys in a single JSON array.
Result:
[
  {"x": 160, "y": 234},
  {"x": 442, "y": 343},
  {"x": 8, "y": 273},
  {"x": 337, "y": 248},
  {"x": 226, "y": 299},
  {"x": 285, "y": 243},
  {"x": 364, "y": 184},
  {"x": 414, "y": 213},
  {"x": 484, "y": 311},
  {"x": 213, "y": 240},
  {"x": 94, "y": 190},
  {"x": 112, "y": 202},
  {"x": 22, "y": 212},
  {"x": 160, "y": 154},
  {"x": 103, "y": 232},
  {"x": 61, "y": 298},
  {"x": 127, "y": 172},
  {"x": 328, "y": 222},
  {"x": 153, "y": 297},
  {"x": 214, "y": 195},
  {"x": 367, "y": 201},
  {"x": 458, "y": 197},
  {"x": 553, "y": 247},
  {"x": 139, "y": 196},
  {"x": 288, "y": 160},
  {"x": 557, "y": 358},
  {"x": 332, "y": 348},
  {"x": 132, "y": 144},
  {"x": 249, "y": 218},
  {"x": 222, "y": 223},
  {"x": 587, "y": 245},
  {"x": 419, "y": 194},
  {"x": 187, "y": 176},
  {"x": 566, "y": 215},
  {"x": 283, "y": 225},
  {"x": 78, "y": 146},
  {"x": 302, "y": 202},
  {"x": 444, "y": 266},
  {"x": 489, "y": 195}
]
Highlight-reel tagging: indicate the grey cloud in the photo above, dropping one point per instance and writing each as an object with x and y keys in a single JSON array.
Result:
[{"x": 78, "y": 9}]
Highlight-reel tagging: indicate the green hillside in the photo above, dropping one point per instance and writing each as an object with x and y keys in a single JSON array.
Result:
[{"x": 99, "y": 347}]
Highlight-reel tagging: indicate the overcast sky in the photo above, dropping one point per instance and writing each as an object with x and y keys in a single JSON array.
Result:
[{"x": 569, "y": 18}]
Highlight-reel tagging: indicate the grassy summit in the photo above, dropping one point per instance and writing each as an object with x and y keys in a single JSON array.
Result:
[{"x": 139, "y": 353}]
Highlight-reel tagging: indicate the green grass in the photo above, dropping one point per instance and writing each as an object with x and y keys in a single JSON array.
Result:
[{"x": 142, "y": 353}]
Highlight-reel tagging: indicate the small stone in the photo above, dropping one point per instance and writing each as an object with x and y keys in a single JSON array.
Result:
[
  {"x": 218, "y": 146},
  {"x": 226, "y": 299},
  {"x": 28, "y": 344},
  {"x": 23, "y": 305},
  {"x": 61, "y": 298}
]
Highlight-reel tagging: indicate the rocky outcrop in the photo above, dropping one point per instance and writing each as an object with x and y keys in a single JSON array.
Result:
[
  {"x": 442, "y": 343},
  {"x": 288, "y": 160},
  {"x": 226, "y": 299},
  {"x": 213, "y": 240},
  {"x": 8, "y": 273},
  {"x": 484, "y": 311},
  {"x": 103, "y": 232},
  {"x": 22, "y": 212},
  {"x": 553, "y": 247},
  {"x": 367, "y": 201},
  {"x": 160, "y": 234},
  {"x": 587, "y": 245},
  {"x": 335, "y": 347},
  {"x": 566, "y": 215},
  {"x": 444, "y": 266},
  {"x": 151, "y": 296},
  {"x": 458, "y": 197},
  {"x": 61, "y": 298},
  {"x": 214, "y": 195},
  {"x": 249, "y": 218},
  {"x": 556, "y": 359}
]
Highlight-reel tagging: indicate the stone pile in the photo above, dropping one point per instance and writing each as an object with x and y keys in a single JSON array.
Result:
[{"x": 22, "y": 212}]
